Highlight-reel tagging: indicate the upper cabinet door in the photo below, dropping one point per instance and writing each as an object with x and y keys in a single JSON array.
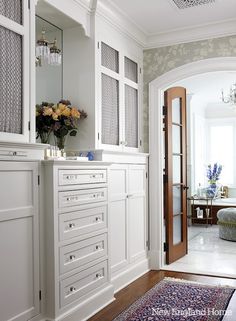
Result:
[
  {"x": 119, "y": 100},
  {"x": 14, "y": 70},
  {"x": 131, "y": 130},
  {"x": 110, "y": 96}
]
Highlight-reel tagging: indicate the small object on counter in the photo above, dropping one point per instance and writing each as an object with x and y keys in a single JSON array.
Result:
[
  {"x": 90, "y": 156},
  {"x": 77, "y": 158}
]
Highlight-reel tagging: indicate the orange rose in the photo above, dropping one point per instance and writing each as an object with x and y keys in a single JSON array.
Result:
[
  {"x": 75, "y": 113},
  {"x": 66, "y": 112},
  {"x": 47, "y": 111}
]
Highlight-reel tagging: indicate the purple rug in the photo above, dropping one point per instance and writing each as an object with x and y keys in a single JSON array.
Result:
[{"x": 177, "y": 300}]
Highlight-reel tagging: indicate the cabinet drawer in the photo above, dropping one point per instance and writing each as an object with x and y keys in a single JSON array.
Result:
[
  {"x": 82, "y": 176},
  {"x": 80, "y": 197},
  {"x": 80, "y": 253},
  {"x": 81, "y": 222},
  {"x": 74, "y": 287}
]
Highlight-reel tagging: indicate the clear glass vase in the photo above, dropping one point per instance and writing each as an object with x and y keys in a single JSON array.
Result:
[{"x": 60, "y": 142}]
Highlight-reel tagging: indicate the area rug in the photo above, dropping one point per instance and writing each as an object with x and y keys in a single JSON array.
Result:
[{"x": 179, "y": 300}]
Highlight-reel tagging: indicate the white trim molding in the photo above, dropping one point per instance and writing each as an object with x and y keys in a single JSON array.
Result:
[
  {"x": 156, "y": 90},
  {"x": 195, "y": 33},
  {"x": 78, "y": 10}
]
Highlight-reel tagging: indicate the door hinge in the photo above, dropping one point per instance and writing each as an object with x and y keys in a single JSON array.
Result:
[
  {"x": 98, "y": 136},
  {"x": 165, "y": 178},
  {"x": 40, "y": 295},
  {"x": 146, "y": 175},
  {"x": 147, "y": 244},
  {"x": 164, "y": 110},
  {"x": 166, "y": 247},
  {"x": 29, "y": 125},
  {"x": 38, "y": 179},
  {"x": 140, "y": 70},
  {"x": 98, "y": 45},
  {"x": 140, "y": 142}
]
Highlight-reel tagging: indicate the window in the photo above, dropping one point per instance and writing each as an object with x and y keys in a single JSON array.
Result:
[{"x": 222, "y": 150}]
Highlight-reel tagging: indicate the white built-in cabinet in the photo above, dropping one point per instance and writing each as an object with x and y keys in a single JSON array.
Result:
[
  {"x": 128, "y": 221},
  {"x": 14, "y": 70},
  {"x": 19, "y": 241},
  {"x": 77, "y": 239}
]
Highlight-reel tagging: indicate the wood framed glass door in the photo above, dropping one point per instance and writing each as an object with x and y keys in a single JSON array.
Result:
[{"x": 175, "y": 176}]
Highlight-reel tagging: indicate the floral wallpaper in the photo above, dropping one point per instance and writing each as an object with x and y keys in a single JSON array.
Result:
[{"x": 160, "y": 60}]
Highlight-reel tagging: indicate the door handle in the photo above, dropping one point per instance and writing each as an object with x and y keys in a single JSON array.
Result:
[{"x": 185, "y": 187}]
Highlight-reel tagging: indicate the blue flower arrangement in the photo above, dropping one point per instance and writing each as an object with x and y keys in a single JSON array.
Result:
[{"x": 213, "y": 175}]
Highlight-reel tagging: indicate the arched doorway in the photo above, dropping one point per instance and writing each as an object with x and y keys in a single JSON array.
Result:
[{"x": 156, "y": 89}]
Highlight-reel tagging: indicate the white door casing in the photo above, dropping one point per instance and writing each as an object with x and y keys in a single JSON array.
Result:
[{"x": 156, "y": 147}]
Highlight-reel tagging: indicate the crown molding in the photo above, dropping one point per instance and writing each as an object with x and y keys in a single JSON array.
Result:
[
  {"x": 118, "y": 19},
  {"x": 122, "y": 21},
  {"x": 195, "y": 33}
]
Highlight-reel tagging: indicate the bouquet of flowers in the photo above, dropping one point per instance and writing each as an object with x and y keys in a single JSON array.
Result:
[
  {"x": 60, "y": 119},
  {"x": 213, "y": 174}
]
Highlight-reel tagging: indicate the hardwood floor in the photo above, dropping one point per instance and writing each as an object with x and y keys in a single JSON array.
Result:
[{"x": 131, "y": 293}]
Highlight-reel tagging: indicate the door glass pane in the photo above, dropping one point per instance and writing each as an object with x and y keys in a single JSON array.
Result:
[
  {"x": 176, "y": 111},
  {"x": 110, "y": 110},
  {"x": 177, "y": 229},
  {"x": 11, "y": 9},
  {"x": 131, "y": 116},
  {"x": 176, "y": 169},
  {"x": 176, "y": 141},
  {"x": 177, "y": 200},
  {"x": 131, "y": 70},
  {"x": 110, "y": 58},
  {"x": 10, "y": 81}
]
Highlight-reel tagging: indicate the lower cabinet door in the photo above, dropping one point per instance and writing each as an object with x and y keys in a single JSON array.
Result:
[
  {"x": 19, "y": 245},
  {"x": 137, "y": 221}
]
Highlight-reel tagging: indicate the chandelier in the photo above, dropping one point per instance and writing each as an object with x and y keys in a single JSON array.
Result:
[
  {"x": 47, "y": 51},
  {"x": 231, "y": 98}
]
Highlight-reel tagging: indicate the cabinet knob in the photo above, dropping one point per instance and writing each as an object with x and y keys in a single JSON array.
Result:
[
  {"x": 72, "y": 257},
  {"x": 98, "y": 275},
  {"x": 72, "y": 289},
  {"x": 98, "y": 247},
  {"x": 71, "y": 225},
  {"x": 98, "y": 219}
]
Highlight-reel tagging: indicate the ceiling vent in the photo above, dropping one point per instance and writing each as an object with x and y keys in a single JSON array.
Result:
[{"x": 183, "y": 4}]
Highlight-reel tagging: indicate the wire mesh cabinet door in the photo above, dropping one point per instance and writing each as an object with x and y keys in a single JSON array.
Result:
[
  {"x": 119, "y": 102},
  {"x": 14, "y": 70}
]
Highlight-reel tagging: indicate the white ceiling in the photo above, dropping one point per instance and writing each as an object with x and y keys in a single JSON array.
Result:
[
  {"x": 158, "y": 23},
  {"x": 206, "y": 89},
  {"x": 158, "y": 16}
]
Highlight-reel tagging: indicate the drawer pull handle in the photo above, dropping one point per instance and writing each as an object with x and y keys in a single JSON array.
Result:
[
  {"x": 72, "y": 289},
  {"x": 98, "y": 275},
  {"x": 94, "y": 195},
  {"x": 93, "y": 176},
  {"x": 68, "y": 199},
  {"x": 72, "y": 257},
  {"x": 71, "y": 225},
  {"x": 98, "y": 247},
  {"x": 98, "y": 219}
]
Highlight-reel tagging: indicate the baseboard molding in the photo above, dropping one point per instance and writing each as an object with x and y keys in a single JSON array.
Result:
[{"x": 130, "y": 274}]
